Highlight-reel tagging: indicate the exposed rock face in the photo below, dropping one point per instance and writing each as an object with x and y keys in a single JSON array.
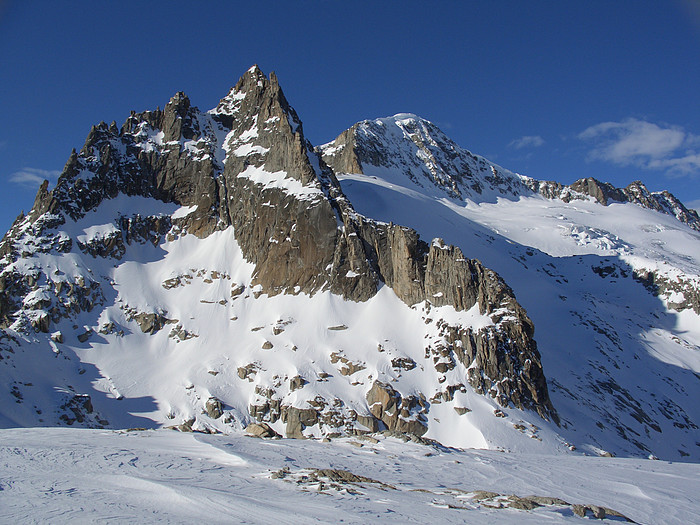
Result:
[
  {"x": 214, "y": 408},
  {"x": 679, "y": 293},
  {"x": 297, "y": 419}
]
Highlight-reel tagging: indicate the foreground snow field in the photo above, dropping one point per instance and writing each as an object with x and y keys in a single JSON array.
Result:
[{"x": 80, "y": 476}]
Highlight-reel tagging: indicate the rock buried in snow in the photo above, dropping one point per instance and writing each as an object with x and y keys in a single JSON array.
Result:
[
  {"x": 511, "y": 501},
  {"x": 345, "y": 476},
  {"x": 338, "y": 479},
  {"x": 85, "y": 335},
  {"x": 598, "y": 512}
]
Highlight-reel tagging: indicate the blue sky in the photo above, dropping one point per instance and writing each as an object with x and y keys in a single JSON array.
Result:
[{"x": 555, "y": 90}]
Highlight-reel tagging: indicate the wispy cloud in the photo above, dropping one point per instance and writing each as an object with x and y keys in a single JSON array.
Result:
[
  {"x": 635, "y": 142},
  {"x": 529, "y": 141},
  {"x": 693, "y": 205},
  {"x": 33, "y": 177}
]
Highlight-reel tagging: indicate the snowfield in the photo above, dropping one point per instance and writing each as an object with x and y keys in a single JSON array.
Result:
[{"x": 165, "y": 476}]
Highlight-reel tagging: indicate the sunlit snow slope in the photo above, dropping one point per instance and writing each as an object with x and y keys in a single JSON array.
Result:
[{"x": 621, "y": 353}]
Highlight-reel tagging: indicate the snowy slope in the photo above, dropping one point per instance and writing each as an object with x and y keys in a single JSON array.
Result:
[
  {"x": 127, "y": 311},
  {"x": 107, "y": 476},
  {"x": 165, "y": 378}
]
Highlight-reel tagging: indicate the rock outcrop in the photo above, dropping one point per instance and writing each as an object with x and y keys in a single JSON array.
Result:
[{"x": 679, "y": 292}]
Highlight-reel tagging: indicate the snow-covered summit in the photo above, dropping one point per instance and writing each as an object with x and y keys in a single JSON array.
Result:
[{"x": 406, "y": 145}]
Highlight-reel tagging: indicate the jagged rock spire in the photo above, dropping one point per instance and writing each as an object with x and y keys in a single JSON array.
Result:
[{"x": 174, "y": 115}]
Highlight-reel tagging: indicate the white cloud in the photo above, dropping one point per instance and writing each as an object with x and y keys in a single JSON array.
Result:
[
  {"x": 33, "y": 177},
  {"x": 531, "y": 141},
  {"x": 635, "y": 142},
  {"x": 693, "y": 205}
]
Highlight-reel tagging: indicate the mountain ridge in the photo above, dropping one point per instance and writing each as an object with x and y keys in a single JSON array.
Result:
[
  {"x": 243, "y": 174},
  {"x": 463, "y": 175}
]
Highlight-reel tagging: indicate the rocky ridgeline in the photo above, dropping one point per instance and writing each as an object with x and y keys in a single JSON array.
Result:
[
  {"x": 312, "y": 242},
  {"x": 247, "y": 164},
  {"x": 605, "y": 193},
  {"x": 424, "y": 154}
]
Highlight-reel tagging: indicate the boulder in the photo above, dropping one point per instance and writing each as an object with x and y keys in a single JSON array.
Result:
[
  {"x": 214, "y": 408},
  {"x": 261, "y": 430}
]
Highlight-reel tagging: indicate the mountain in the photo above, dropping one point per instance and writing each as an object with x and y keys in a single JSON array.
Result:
[{"x": 213, "y": 271}]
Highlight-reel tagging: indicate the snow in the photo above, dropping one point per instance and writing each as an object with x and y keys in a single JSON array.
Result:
[
  {"x": 183, "y": 211},
  {"x": 97, "y": 232},
  {"x": 250, "y": 133},
  {"x": 293, "y": 124},
  {"x": 280, "y": 180},
  {"x": 471, "y": 317},
  {"x": 116, "y": 476},
  {"x": 239, "y": 95},
  {"x": 248, "y": 149}
]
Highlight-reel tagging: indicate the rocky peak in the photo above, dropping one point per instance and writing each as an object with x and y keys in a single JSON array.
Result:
[
  {"x": 603, "y": 192},
  {"x": 179, "y": 103},
  {"x": 253, "y": 87},
  {"x": 416, "y": 149},
  {"x": 265, "y": 130}
]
